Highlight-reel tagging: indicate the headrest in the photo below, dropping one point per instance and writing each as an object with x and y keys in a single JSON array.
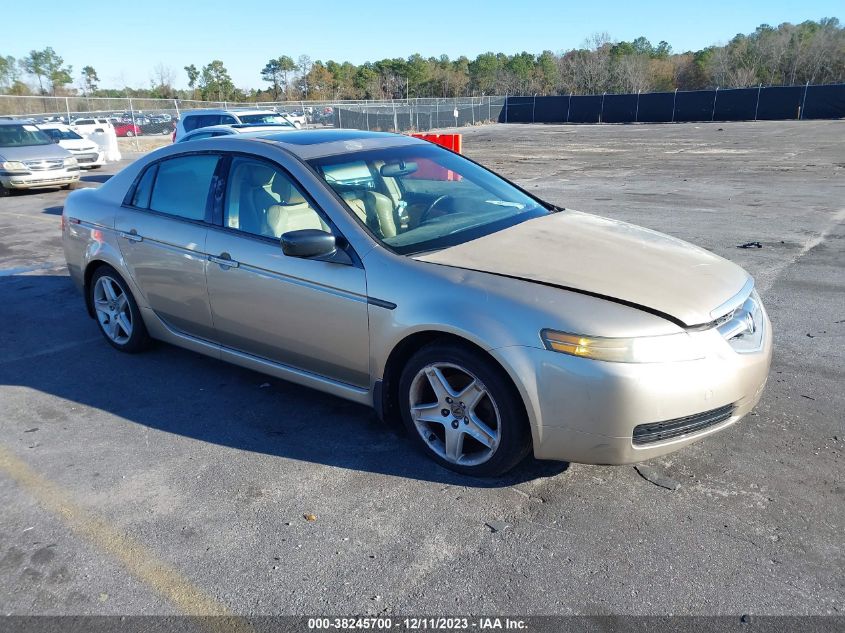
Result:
[
  {"x": 287, "y": 193},
  {"x": 258, "y": 175}
]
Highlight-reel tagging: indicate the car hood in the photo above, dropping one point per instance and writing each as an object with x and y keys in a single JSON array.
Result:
[
  {"x": 33, "y": 152},
  {"x": 607, "y": 258}
]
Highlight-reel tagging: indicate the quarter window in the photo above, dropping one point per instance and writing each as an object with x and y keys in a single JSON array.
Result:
[
  {"x": 141, "y": 198},
  {"x": 181, "y": 186},
  {"x": 263, "y": 200}
]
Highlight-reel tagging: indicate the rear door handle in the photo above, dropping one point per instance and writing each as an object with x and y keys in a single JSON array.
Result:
[
  {"x": 132, "y": 236},
  {"x": 224, "y": 259}
]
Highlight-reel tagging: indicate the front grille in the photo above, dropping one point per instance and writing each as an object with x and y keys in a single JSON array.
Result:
[
  {"x": 44, "y": 165},
  {"x": 660, "y": 431}
]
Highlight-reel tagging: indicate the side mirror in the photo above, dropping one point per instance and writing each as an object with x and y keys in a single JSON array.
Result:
[{"x": 308, "y": 243}]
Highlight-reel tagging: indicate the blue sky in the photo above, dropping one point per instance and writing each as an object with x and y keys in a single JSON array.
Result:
[{"x": 124, "y": 41}]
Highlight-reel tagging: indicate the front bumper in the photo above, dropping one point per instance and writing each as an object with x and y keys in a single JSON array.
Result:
[
  {"x": 584, "y": 410},
  {"x": 38, "y": 179},
  {"x": 90, "y": 159}
]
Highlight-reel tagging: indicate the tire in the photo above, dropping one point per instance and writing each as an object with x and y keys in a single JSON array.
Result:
[
  {"x": 112, "y": 327},
  {"x": 486, "y": 438},
  {"x": 4, "y": 192},
  {"x": 130, "y": 133}
]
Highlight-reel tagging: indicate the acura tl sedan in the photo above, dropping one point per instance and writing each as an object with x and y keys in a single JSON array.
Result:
[{"x": 395, "y": 273}]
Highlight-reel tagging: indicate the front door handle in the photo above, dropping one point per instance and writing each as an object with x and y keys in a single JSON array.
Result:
[
  {"x": 224, "y": 259},
  {"x": 132, "y": 236}
]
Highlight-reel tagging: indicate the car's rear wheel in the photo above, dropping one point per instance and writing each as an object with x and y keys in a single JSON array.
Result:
[
  {"x": 130, "y": 133},
  {"x": 463, "y": 411},
  {"x": 116, "y": 311}
]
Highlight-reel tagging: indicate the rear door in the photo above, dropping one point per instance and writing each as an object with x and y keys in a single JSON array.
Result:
[
  {"x": 162, "y": 235},
  {"x": 303, "y": 313}
]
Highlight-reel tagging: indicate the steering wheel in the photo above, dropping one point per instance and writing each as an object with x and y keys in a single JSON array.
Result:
[{"x": 424, "y": 215}]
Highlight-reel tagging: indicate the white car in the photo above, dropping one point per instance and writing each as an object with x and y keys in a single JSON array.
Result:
[
  {"x": 88, "y": 154},
  {"x": 298, "y": 120},
  {"x": 88, "y": 126}
]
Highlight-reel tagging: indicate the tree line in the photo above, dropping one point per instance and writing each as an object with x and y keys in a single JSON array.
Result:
[{"x": 813, "y": 51}]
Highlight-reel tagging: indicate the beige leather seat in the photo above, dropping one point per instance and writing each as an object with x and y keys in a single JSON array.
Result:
[
  {"x": 253, "y": 199},
  {"x": 293, "y": 213},
  {"x": 382, "y": 207},
  {"x": 373, "y": 209}
]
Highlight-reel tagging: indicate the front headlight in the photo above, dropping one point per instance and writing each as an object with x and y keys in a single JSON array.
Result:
[
  {"x": 71, "y": 161},
  {"x": 14, "y": 166},
  {"x": 646, "y": 349}
]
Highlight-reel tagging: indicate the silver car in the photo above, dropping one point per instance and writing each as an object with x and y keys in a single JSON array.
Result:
[
  {"x": 247, "y": 129},
  {"x": 29, "y": 159},
  {"x": 389, "y": 271}
]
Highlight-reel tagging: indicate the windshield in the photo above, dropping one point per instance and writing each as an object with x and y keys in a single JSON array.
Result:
[
  {"x": 422, "y": 197},
  {"x": 269, "y": 117},
  {"x": 61, "y": 135},
  {"x": 22, "y": 136}
]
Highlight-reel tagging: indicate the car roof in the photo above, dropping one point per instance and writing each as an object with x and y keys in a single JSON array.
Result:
[
  {"x": 16, "y": 122},
  {"x": 242, "y": 128},
  {"x": 308, "y": 144},
  {"x": 228, "y": 111}
]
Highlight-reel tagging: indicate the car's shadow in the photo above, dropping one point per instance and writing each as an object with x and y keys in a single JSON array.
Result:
[
  {"x": 180, "y": 392},
  {"x": 98, "y": 178}
]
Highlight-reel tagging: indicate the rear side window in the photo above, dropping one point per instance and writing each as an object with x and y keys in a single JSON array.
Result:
[
  {"x": 202, "y": 120},
  {"x": 181, "y": 186},
  {"x": 141, "y": 199}
]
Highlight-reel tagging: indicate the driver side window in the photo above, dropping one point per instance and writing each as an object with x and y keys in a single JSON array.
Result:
[{"x": 263, "y": 200}]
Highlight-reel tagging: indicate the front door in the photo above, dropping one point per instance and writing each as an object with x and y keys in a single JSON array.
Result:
[{"x": 307, "y": 314}]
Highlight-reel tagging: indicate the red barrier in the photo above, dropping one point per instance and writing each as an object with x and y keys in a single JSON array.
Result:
[
  {"x": 453, "y": 142},
  {"x": 431, "y": 171}
]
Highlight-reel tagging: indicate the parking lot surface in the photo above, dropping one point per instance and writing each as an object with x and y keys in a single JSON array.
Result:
[{"x": 168, "y": 482}]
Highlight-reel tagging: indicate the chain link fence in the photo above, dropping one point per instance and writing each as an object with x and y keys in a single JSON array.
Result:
[
  {"x": 144, "y": 117},
  {"x": 136, "y": 117}
]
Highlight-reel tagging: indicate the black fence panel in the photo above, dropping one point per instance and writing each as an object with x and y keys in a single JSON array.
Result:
[
  {"x": 519, "y": 110},
  {"x": 619, "y": 108},
  {"x": 779, "y": 103},
  {"x": 550, "y": 109},
  {"x": 824, "y": 102},
  {"x": 584, "y": 109},
  {"x": 696, "y": 105},
  {"x": 736, "y": 105},
  {"x": 656, "y": 107}
]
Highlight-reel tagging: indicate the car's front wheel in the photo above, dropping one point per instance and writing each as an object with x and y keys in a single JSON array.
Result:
[
  {"x": 116, "y": 312},
  {"x": 463, "y": 411}
]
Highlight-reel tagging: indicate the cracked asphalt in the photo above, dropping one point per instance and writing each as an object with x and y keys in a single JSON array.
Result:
[{"x": 169, "y": 483}]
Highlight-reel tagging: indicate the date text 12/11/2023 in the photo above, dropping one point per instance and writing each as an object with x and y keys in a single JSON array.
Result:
[{"x": 418, "y": 624}]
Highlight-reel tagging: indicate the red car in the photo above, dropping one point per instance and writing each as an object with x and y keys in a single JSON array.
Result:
[{"x": 126, "y": 129}]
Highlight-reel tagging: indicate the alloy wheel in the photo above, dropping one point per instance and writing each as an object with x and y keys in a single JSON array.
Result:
[
  {"x": 455, "y": 414},
  {"x": 112, "y": 308}
]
